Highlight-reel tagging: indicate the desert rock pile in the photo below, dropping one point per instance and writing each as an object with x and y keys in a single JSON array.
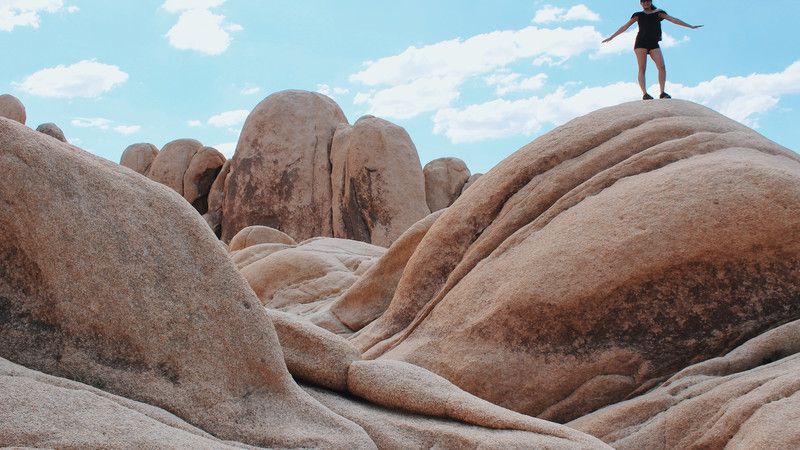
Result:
[{"x": 631, "y": 279}]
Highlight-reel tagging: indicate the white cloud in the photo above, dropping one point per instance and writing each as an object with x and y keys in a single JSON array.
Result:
[
  {"x": 198, "y": 28},
  {"x": 428, "y": 78},
  {"x": 95, "y": 122},
  {"x": 227, "y": 149},
  {"x": 194, "y": 123},
  {"x": 508, "y": 82},
  {"x": 175, "y": 6},
  {"x": 82, "y": 79},
  {"x": 408, "y": 100},
  {"x": 325, "y": 89},
  {"x": 228, "y": 118},
  {"x": 25, "y": 13},
  {"x": 550, "y": 13},
  {"x": 127, "y": 129},
  {"x": 252, "y": 90},
  {"x": 741, "y": 98},
  {"x": 102, "y": 123}
]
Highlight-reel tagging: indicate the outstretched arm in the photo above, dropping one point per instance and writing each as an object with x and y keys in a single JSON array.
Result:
[
  {"x": 621, "y": 30},
  {"x": 666, "y": 16}
]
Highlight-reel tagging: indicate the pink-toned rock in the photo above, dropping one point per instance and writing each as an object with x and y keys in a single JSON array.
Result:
[
  {"x": 369, "y": 297},
  {"x": 470, "y": 181},
  {"x": 139, "y": 157},
  {"x": 280, "y": 173},
  {"x": 749, "y": 398},
  {"x": 601, "y": 258},
  {"x": 259, "y": 234},
  {"x": 43, "y": 411},
  {"x": 188, "y": 168},
  {"x": 12, "y": 108},
  {"x": 110, "y": 277},
  {"x": 215, "y": 197},
  {"x": 52, "y": 130},
  {"x": 377, "y": 182},
  {"x": 444, "y": 180},
  {"x": 306, "y": 278}
]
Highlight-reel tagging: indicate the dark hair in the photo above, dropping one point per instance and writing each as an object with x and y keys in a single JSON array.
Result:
[{"x": 653, "y": 7}]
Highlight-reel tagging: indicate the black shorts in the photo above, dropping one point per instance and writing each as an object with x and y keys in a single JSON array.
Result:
[{"x": 649, "y": 44}]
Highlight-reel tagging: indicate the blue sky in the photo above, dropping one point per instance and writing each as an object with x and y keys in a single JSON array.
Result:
[{"x": 473, "y": 79}]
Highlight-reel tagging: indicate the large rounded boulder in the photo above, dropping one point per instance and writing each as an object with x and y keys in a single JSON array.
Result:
[
  {"x": 112, "y": 279},
  {"x": 280, "y": 173},
  {"x": 139, "y": 157},
  {"x": 12, "y": 108},
  {"x": 444, "y": 180},
  {"x": 600, "y": 259},
  {"x": 189, "y": 168},
  {"x": 52, "y": 130},
  {"x": 377, "y": 181}
]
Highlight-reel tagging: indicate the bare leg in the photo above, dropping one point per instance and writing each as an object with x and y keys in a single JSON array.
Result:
[
  {"x": 658, "y": 58},
  {"x": 641, "y": 59}
]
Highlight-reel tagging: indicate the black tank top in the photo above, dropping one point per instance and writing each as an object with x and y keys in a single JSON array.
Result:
[{"x": 649, "y": 25}]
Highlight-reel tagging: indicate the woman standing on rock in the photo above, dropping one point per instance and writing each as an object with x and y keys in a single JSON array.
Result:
[{"x": 649, "y": 21}]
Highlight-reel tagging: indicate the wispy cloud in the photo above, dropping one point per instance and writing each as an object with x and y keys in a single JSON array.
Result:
[
  {"x": 250, "y": 90},
  {"x": 334, "y": 92},
  {"x": 102, "y": 123},
  {"x": 228, "y": 118},
  {"x": 82, "y": 79},
  {"x": 508, "y": 82},
  {"x": 26, "y": 13},
  {"x": 550, "y": 13},
  {"x": 428, "y": 78},
  {"x": 742, "y": 98},
  {"x": 194, "y": 123},
  {"x": 198, "y": 28}
]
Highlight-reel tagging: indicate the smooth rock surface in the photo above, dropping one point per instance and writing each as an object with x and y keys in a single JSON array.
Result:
[
  {"x": 139, "y": 157},
  {"x": 307, "y": 277},
  {"x": 749, "y": 398},
  {"x": 189, "y": 168},
  {"x": 377, "y": 182},
  {"x": 444, "y": 180},
  {"x": 52, "y": 130},
  {"x": 42, "y": 411},
  {"x": 215, "y": 197},
  {"x": 110, "y": 277},
  {"x": 601, "y": 259},
  {"x": 280, "y": 173},
  {"x": 12, "y": 108},
  {"x": 259, "y": 234}
]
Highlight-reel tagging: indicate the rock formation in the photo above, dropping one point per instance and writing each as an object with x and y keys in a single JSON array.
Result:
[
  {"x": 112, "y": 280},
  {"x": 470, "y": 181},
  {"x": 601, "y": 259},
  {"x": 189, "y": 168},
  {"x": 259, "y": 234},
  {"x": 444, "y": 180},
  {"x": 304, "y": 278},
  {"x": 139, "y": 157},
  {"x": 280, "y": 173},
  {"x": 377, "y": 182},
  {"x": 748, "y": 398},
  {"x": 215, "y": 197},
  {"x": 52, "y": 130},
  {"x": 12, "y": 108}
]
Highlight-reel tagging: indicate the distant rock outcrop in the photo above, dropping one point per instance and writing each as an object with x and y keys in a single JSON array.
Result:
[
  {"x": 216, "y": 195},
  {"x": 600, "y": 259},
  {"x": 444, "y": 180},
  {"x": 189, "y": 168},
  {"x": 52, "y": 130},
  {"x": 12, "y": 108},
  {"x": 139, "y": 157},
  {"x": 280, "y": 173},
  {"x": 470, "y": 181},
  {"x": 377, "y": 182}
]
